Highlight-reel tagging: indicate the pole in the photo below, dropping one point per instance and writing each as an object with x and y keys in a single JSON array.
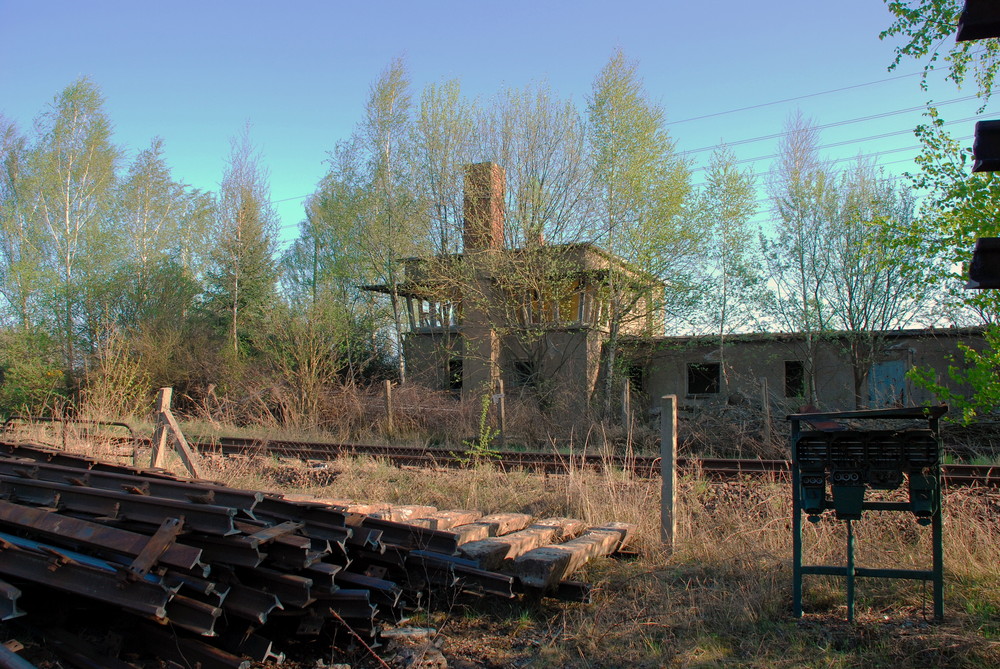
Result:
[
  {"x": 502, "y": 409},
  {"x": 796, "y": 525},
  {"x": 668, "y": 470},
  {"x": 850, "y": 571},
  {"x": 765, "y": 402},
  {"x": 159, "y": 441},
  {"x": 389, "y": 429},
  {"x": 627, "y": 411}
]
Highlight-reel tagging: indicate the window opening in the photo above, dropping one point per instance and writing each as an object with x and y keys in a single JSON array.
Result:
[
  {"x": 795, "y": 378},
  {"x": 703, "y": 378}
]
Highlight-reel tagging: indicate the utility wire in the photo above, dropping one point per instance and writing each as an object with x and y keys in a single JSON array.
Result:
[
  {"x": 779, "y": 135},
  {"x": 835, "y": 124},
  {"x": 799, "y": 97}
]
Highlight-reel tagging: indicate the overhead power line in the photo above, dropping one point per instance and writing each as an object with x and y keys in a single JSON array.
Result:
[
  {"x": 877, "y": 154},
  {"x": 835, "y": 124},
  {"x": 793, "y": 99}
]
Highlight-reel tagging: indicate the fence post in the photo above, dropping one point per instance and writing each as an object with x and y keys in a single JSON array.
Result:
[
  {"x": 627, "y": 411},
  {"x": 159, "y": 441},
  {"x": 502, "y": 408},
  {"x": 668, "y": 470},
  {"x": 166, "y": 425},
  {"x": 389, "y": 429},
  {"x": 765, "y": 402}
]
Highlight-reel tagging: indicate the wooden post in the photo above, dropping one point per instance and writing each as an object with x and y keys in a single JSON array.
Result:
[
  {"x": 159, "y": 441},
  {"x": 389, "y": 429},
  {"x": 166, "y": 426},
  {"x": 668, "y": 470},
  {"x": 765, "y": 402},
  {"x": 627, "y": 411},
  {"x": 502, "y": 409}
]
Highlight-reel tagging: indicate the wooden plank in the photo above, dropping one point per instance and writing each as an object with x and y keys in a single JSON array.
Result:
[
  {"x": 544, "y": 567},
  {"x": 186, "y": 453},
  {"x": 446, "y": 520},
  {"x": 403, "y": 514},
  {"x": 366, "y": 509},
  {"x": 159, "y": 440},
  {"x": 491, "y": 553},
  {"x": 491, "y": 526}
]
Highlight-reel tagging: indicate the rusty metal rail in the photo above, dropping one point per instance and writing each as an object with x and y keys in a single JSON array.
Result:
[
  {"x": 213, "y": 562},
  {"x": 554, "y": 463},
  {"x": 548, "y": 462}
]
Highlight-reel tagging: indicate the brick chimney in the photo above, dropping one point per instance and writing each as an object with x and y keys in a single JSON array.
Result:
[
  {"x": 483, "y": 231},
  {"x": 483, "y": 206}
]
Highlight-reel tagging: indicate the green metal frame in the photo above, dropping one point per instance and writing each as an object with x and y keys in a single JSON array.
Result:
[{"x": 850, "y": 571}]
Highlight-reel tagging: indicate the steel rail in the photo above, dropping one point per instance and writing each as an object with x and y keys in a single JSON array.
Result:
[{"x": 954, "y": 475}]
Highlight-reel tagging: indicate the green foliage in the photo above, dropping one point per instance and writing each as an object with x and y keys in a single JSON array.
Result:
[
  {"x": 482, "y": 446},
  {"x": 33, "y": 382},
  {"x": 640, "y": 188},
  {"x": 70, "y": 182},
  {"x": 118, "y": 384},
  {"x": 926, "y": 26},
  {"x": 959, "y": 208},
  {"x": 975, "y": 376},
  {"x": 242, "y": 274},
  {"x": 733, "y": 279}
]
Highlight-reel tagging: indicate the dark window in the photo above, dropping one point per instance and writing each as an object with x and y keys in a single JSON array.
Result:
[
  {"x": 455, "y": 374},
  {"x": 703, "y": 378},
  {"x": 525, "y": 373},
  {"x": 795, "y": 378},
  {"x": 636, "y": 375}
]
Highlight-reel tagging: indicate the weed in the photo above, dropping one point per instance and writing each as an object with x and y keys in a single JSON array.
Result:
[{"x": 482, "y": 447}]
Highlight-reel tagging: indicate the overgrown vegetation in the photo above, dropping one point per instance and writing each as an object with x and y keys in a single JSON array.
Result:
[
  {"x": 113, "y": 271},
  {"x": 723, "y": 597}
]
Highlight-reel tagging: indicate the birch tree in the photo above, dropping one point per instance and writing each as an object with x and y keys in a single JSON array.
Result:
[
  {"x": 733, "y": 285},
  {"x": 640, "y": 187},
  {"x": 374, "y": 163},
  {"x": 21, "y": 278},
  {"x": 441, "y": 144},
  {"x": 73, "y": 166},
  {"x": 871, "y": 292},
  {"x": 797, "y": 259}
]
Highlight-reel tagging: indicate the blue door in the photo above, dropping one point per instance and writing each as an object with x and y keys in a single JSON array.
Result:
[{"x": 887, "y": 384}]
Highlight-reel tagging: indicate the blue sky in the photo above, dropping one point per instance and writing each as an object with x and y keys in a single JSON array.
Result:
[{"x": 299, "y": 71}]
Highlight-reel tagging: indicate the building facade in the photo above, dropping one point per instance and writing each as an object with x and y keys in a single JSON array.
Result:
[
  {"x": 703, "y": 372},
  {"x": 536, "y": 317}
]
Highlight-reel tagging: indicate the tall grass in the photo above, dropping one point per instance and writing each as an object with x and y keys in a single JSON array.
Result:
[{"x": 723, "y": 596}]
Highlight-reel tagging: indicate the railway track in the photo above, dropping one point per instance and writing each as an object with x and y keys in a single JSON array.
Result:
[
  {"x": 552, "y": 463},
  {"x": 954, "y": 475}
]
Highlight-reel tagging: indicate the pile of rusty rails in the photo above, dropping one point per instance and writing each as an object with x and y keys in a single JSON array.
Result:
[{"x": 209, "y": 575}]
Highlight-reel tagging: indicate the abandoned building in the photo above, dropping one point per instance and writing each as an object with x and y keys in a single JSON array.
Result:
[
  {"x": 536, "y": 318},
  {"x": 702, "y": 371}
]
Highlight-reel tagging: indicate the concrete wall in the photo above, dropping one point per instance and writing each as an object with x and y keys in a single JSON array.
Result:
[
  {"x": 747, "y": 360},
  {"x": 427, "y": 357}
]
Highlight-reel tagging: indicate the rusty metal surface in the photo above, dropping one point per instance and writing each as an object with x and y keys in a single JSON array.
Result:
[
  {"x": 216, "y": 563},
  {"x": 215, "y": 520}
]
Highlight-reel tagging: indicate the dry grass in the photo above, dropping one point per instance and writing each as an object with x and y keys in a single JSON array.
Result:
[{"x": 723, "y": 597}]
